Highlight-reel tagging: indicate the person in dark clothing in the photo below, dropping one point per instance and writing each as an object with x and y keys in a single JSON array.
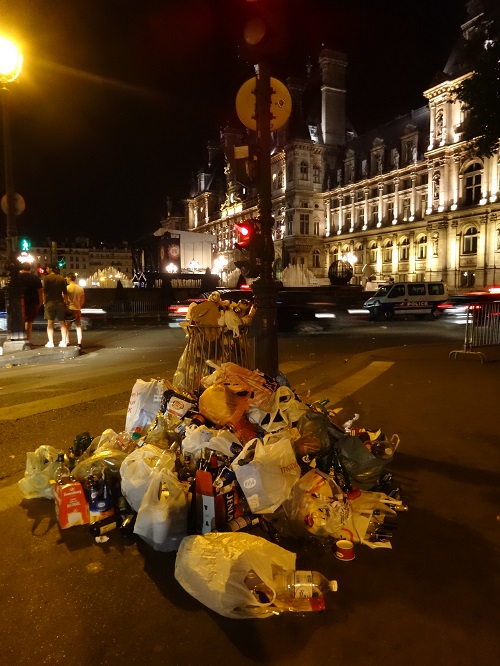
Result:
[
  {"x": 33, "y": 297},
  {"x": 55, "y": 300}
]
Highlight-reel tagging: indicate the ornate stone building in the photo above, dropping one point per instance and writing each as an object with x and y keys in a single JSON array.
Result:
[{"x": 404, "y": 200}]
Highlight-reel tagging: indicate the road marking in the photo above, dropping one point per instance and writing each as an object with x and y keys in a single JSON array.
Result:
[
  {"x": 66, "y": 400},
  {"x": 350, "y": 385}
]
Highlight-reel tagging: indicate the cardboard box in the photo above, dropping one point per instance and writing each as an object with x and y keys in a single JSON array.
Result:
[
  {"x": 213, "y": 510},
  {"x": 71, "y": 505}
]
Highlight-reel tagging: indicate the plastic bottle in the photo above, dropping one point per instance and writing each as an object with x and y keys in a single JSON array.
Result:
[
  {"x": 301, "y": 584},
  {"x": 62, "y": 474},
  {"x": 295, "y": 591}
]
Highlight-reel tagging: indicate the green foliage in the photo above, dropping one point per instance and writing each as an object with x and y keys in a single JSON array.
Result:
[{"x": 480, "y": 94}]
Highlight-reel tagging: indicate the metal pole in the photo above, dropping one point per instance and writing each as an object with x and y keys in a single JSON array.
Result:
[
  {"x": 16, "y": 335},
  {"x": 265, "y": 288}
]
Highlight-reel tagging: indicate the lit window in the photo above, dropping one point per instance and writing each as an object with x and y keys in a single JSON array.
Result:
[
  {"x": 404, "y": 249},
  {"x": 473, "y": 185},
  {"x": 470, "y": 241}
]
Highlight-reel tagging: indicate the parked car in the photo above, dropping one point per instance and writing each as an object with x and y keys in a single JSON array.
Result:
[
  {"x": 455, "y": 308},
  {"x": 298, "y": 311}
]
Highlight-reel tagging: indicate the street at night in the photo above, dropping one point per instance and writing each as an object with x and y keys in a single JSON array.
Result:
[{"x": 431, "y": 598}]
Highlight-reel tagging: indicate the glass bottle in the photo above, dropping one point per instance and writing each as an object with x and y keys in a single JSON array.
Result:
[
  {"x": 339, "y": 473},
  {"x": 101, "y": 527},
  {"x": 61, "y": 472}
]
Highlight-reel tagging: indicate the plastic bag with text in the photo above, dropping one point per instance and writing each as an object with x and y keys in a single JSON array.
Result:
[
  {"x": 268, "y": 478},
  {"x": 162, "y": 517},
  {"x": 212, "y": 568},
  {"x": 144, "y": 403}
]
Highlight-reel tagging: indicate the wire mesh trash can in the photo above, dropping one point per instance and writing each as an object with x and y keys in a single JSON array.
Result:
[{"x": 212, "y": 343}]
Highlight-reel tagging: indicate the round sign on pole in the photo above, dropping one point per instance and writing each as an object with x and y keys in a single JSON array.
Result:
[
  {"x": 281, "y": 104},
  {"x": 19, "y": 204}
]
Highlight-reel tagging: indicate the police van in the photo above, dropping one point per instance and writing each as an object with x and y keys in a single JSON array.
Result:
[{"x": 407, "y": 298}]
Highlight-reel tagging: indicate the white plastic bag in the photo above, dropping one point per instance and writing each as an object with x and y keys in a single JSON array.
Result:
[
  {"x": 144, "y": 403},
  {"x": 212, "y": 568},
  {"x": 268, "y": 479},
  {"x": 40, "y": 467},
  {"x": 137, "y": 468},
  {"x": 284, "y": 410},
  {"x": 162, "y": 517}
]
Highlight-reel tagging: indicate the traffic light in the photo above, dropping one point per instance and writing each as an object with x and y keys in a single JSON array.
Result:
[
  {"x": 245, "y": 234},
  {"x": 40, "y": 270},
  {"x": 249, "y": 245},
  {"x": 24, "y": 244},
  {"x": 61, "y": 262},
  {"x": 264, "y": 26}
]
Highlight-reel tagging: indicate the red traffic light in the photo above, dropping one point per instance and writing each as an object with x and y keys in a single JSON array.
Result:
[{"x": 244, "y": 234}]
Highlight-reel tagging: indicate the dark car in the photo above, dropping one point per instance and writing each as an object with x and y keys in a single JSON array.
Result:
[
  {"x": 456, "y": 307},
  {"x": 298, "y": 311}
]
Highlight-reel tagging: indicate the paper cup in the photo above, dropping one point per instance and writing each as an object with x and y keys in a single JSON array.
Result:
[{"x": 344, "y": 550}]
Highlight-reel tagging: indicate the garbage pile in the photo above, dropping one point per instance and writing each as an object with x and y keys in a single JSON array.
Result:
[{"x": 224, "y": 477}]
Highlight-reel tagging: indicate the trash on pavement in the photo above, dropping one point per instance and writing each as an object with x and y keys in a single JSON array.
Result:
[{"x": 225, "y": 471}]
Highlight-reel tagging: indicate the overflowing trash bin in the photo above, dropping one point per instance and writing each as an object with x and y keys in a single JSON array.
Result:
[{"x": 224, "y": 472}]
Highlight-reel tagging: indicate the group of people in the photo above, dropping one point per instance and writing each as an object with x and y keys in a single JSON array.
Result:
[{"x": 62, "y": 299}]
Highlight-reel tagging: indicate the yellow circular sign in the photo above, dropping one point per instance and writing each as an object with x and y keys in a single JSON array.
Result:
[{"x": 281, "y": 104}]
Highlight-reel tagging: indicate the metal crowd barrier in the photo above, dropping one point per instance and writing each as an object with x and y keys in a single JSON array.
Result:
[
  {"x": 212, "y": 343},
  {"x": 482, "y": 330}
]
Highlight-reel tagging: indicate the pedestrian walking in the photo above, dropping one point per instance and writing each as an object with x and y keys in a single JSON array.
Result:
[
  {"x": 55, "y": 300},
  {"x": 76, "y": 299},
  {"x": 32, "y": 297}
]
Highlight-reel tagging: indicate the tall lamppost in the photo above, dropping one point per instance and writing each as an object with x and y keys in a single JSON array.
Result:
[{"x": 11, "y": 61}]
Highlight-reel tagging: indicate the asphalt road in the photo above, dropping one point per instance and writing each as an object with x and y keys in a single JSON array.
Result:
[{"x": 433, "y": 598}]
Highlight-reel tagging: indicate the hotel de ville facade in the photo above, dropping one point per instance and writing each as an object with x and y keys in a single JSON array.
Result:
[{"x": 405, "y": 200}]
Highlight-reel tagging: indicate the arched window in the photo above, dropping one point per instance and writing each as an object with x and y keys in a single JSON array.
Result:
[
  {"x": 404, "y": 249},
  {"x": 372, "y": 251},
  {"x": 358, "y": 251},
  {"x": 472, "y": 184},
  {"x": 387, "y": 252},
  {"x": 422, "y": 247},
  {"x": 316, "y": 259},
  {"x": 470, "y": 241},
  {"x": 335, "y": 254},
  {"x": 304, "y": 171}
]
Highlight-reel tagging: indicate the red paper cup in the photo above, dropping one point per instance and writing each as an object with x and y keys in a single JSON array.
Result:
[{"x": 344, "y": 550}]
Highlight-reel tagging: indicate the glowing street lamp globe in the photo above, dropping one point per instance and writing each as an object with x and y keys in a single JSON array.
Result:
[{"x": 11, "y": 60}]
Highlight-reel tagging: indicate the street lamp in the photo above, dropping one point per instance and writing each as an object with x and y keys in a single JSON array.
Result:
[{"x": 11, "y": 61}]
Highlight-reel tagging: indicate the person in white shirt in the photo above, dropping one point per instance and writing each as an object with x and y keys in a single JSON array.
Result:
[{"x": 76, "y": 299}]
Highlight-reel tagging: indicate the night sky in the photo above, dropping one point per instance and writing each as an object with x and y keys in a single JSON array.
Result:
[{"x": 117, "y": 99}]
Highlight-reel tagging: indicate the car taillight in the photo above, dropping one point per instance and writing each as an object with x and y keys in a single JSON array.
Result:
[
  {"x": 444, "y": 306},
  {"x": 178, "y": 309}
]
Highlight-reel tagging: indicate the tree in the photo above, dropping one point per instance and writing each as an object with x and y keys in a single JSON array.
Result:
[{"x": 480, "y": 93}]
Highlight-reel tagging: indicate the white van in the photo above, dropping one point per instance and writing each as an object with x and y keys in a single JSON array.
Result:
[{"x": 406, "y": 298}]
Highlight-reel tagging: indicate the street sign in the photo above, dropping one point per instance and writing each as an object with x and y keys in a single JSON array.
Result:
[
  {"x": 19, "y": 204},
  {"x": 281, "y": 104}
]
